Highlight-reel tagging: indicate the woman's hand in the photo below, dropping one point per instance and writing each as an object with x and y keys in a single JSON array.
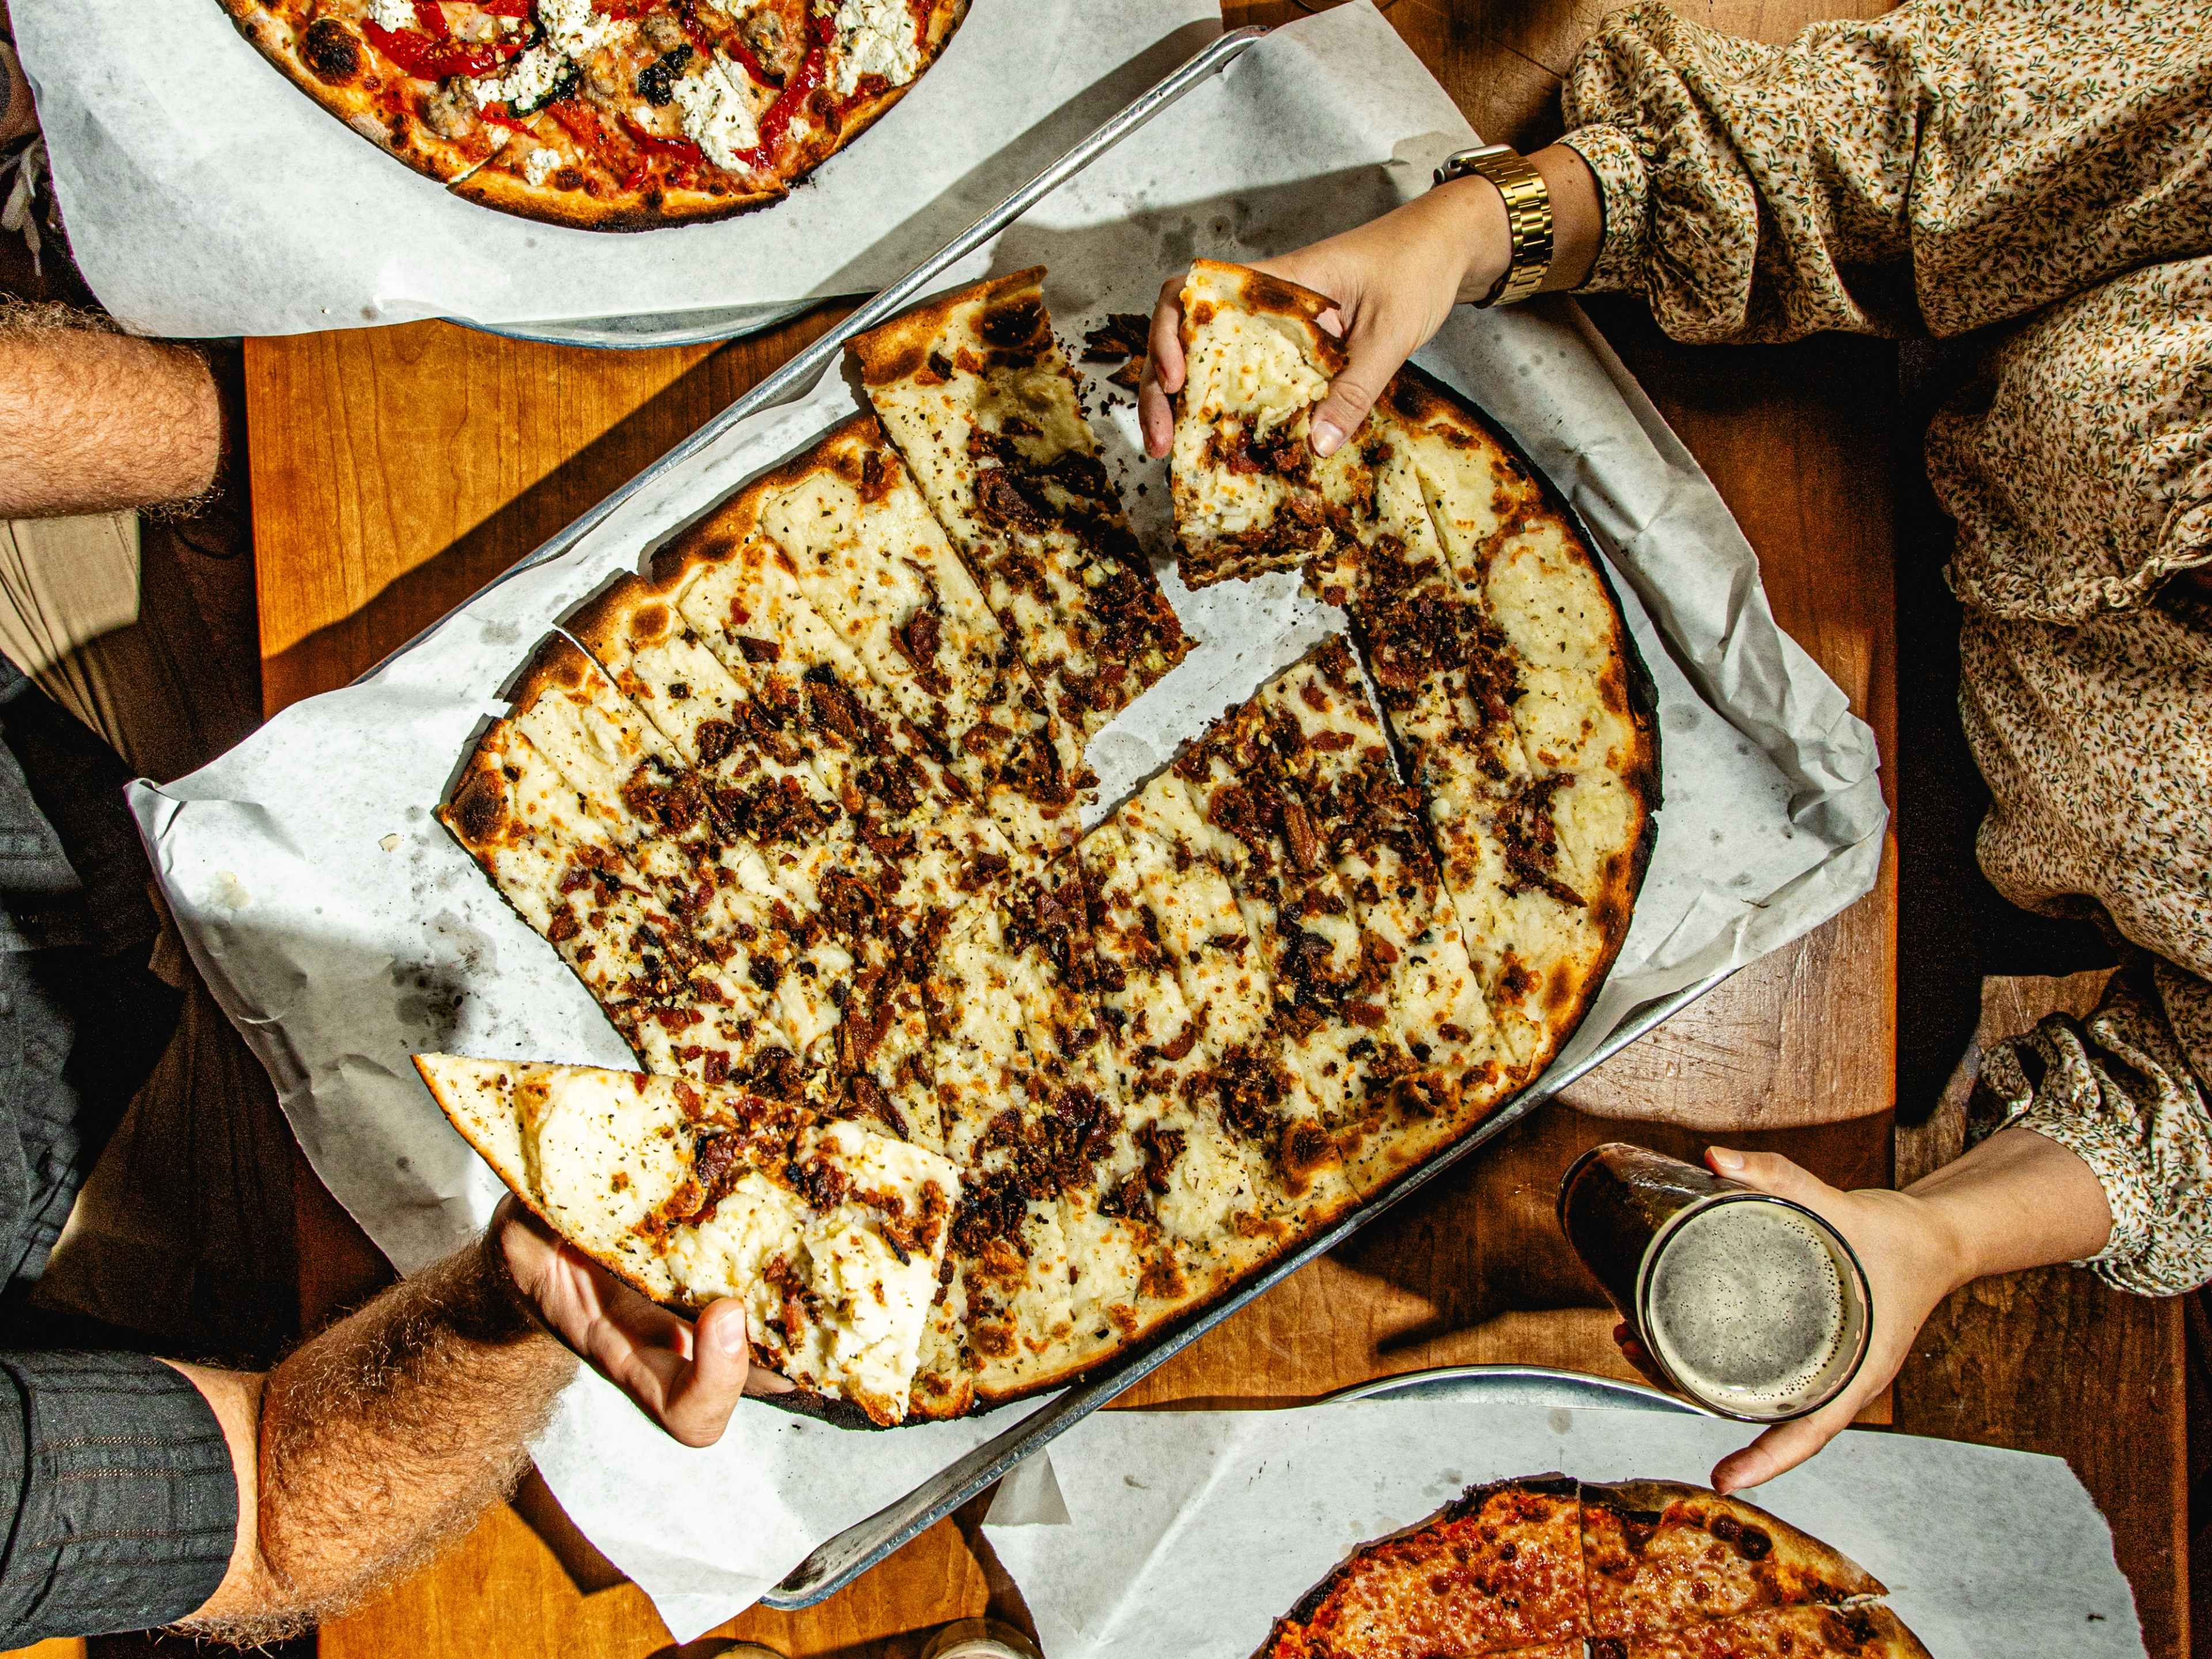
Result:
[
  {"x": 687, "y": 1376},
  {"x": 1394, "y": 280},
  {"x": 1912, "y": 1262},
  {"x": 2017, "y": 1200}
]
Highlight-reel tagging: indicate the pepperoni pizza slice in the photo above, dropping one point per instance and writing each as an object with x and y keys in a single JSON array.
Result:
[{"x": 1853, "y": 1632}]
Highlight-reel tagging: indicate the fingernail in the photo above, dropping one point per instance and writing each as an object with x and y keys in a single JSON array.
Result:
[
  {"x": 730, "y": 1334},
  {"x": 1724, "y": 1160},
  {"x": 1327, "y": 437}
]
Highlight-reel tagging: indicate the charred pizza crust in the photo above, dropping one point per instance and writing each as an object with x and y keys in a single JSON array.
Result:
[{"x": 585, "y": 157}]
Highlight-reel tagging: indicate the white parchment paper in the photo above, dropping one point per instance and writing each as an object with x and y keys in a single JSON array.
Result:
[
  {"x": 343, "y": 930},
  {"x": 1141, "y": 1533},
  {"x": 207, "y": 195}
]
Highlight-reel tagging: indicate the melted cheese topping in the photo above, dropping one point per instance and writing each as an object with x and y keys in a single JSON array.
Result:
[
  {"x": 716, "y": 114},
  {"x": 875, "y": 37}
]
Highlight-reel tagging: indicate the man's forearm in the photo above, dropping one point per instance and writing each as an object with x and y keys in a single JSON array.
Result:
[
  {"x": 93, "y": 422},
  {"x": 379, "y": 1441}
]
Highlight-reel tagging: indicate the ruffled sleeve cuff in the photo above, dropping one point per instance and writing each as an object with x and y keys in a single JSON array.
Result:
[
  {"x": 1623, "y": 187},
  {"x": 2118, "y": 1097}
]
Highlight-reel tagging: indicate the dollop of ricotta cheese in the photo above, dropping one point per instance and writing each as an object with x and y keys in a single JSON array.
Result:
[
  {"x": 875, "y": 37},
  {"x": 574, "y": 28},
  {"x": 540, "y": 164},
  {"x": 393, "y": 14},
  {"x": 715, "y": 115},
  {"x": 528, "y": 79}
]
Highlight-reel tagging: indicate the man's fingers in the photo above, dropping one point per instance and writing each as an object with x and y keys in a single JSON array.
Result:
[{"x": 703, "y": 1394}]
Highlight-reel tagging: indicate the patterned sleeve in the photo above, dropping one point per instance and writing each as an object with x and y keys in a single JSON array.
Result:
[
  {"x": 1888, "y": 175},
  {"x": 2118, "y": 1090}
]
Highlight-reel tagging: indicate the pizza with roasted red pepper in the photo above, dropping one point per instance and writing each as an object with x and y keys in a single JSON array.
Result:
[{"x": 605, "y": 114}]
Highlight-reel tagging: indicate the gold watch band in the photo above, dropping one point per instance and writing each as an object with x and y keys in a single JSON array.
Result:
[{"x": 1527, "y": 216}]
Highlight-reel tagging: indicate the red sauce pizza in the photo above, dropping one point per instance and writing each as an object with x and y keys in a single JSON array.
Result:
[{"x": 605, "y": 114}]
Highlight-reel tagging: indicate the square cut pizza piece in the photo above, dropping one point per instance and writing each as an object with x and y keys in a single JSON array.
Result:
[
  {"x": 1323, "y": 735},
  {"x": 875, "y": 565},
  {"x": 829, "y": 1233},
  {"x": 627, "y": 775},
  {"x": 1328, "y": 975},
  {"x": 1245, "y": 1077},
  {"x": 979, "y": 399},
  {"x": 1242, "y": 467},
  {"x": 1663, "y": 1555},
  {"x": 565, "y": 875},
  {"x": 1499, "y": 1570},
  {"x": 741, "y": 592},
  {"x": 1869, "y": 1632}
]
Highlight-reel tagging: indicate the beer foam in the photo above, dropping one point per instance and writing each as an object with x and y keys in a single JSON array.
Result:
[{"x": 1745, "y": 1307}]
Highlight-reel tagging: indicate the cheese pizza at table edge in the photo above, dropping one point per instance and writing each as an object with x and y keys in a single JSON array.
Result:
[{"x": 599, "y": 117}]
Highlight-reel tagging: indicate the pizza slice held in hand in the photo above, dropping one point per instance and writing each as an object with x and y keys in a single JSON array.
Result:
[{"x": 830, "y": 1233}]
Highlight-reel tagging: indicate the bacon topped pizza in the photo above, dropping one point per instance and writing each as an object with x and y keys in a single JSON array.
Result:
[
  {"x": 605, "y": 114},
  {"x": 802, "y": 809},
  {"x": 1547, "y": 1567}
]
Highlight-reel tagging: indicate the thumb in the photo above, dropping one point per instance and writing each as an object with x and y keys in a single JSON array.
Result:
[
  {"x": 1781, "y": 1449},
  {"x": 1769, "y": 1172},
  {"x": 706, "y": 1391},
  {"x": 1370, "y": 361}
]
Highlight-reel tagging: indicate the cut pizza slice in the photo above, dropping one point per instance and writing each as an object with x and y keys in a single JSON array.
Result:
[
  {"x": 1242, "y": 468},
  {"x": 630, "y": 778},
  {"x": 1324, "y": 733},
  {"x": 982, "y": 404},
  {"x": 1498, "y": 1571},
  {"x": 1327, "y": 976},
  {"x": 1870, "y": 1632},
  {"x": 874, "y": 564},
  {"x": 742, "y": 595},
  {"x": 830, "y": 1234},
  {"x": 1247, "y": 1077},
  {"x": 1210, "y": 1191},
  {"x": 1663, "y": 1555},
  {"x": 676, "y": 1008}
]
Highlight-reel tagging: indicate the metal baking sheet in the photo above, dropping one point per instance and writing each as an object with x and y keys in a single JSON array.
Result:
[{"x": 860, "y": 1548}]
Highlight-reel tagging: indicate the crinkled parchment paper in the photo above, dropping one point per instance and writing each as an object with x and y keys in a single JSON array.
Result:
[
  {"x": 1141, "y": 1533},
  {"x": 344, "y": 930},
  {"x": 205, "y": 194}
]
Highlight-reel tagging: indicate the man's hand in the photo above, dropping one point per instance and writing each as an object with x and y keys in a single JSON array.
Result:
[{"x": 687, "y": 1376}]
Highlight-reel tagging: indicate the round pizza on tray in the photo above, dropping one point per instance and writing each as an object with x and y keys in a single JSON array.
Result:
[
  {"x": 1549, "y": 1567},
  {"x": 964, "y": 1100},
  {"x": 605, "y": 114}
]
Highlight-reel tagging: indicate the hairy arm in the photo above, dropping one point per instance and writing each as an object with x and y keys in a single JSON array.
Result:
[
  {"x": 376, "y": 1442},
  {"x": 93, "y": 422}
]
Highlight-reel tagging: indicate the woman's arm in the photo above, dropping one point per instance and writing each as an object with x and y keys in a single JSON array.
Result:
[{"x": 2017, "y": 1200}]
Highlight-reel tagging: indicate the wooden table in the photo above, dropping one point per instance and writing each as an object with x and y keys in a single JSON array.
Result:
[{"x": 395, "y": 471}]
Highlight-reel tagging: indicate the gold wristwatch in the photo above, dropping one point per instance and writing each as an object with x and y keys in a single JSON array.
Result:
[{"x": 1527, "y": 216}]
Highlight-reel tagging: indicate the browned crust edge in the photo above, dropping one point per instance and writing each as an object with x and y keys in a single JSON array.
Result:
[
  {"x": 422, "y": 152},
  {"x": 888, "y": 350},
  {"x": 487, "y": 186},
  {"x": 1267, "y": 295},
  {"x": 557, "y": 665},
  {"x": 1849, "y": 1579}
]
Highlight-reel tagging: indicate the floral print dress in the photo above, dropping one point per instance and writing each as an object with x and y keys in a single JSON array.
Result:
[{"x": 2041, "y": 173}]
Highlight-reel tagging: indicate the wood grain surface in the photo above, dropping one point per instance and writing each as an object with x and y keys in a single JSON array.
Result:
[{"x": 395, "y": 472}]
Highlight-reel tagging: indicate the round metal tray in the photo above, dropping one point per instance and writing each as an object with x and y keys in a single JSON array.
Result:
[
  {"x": 1518, "y": 1385},
  {"x": 647, "y": 333}
]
